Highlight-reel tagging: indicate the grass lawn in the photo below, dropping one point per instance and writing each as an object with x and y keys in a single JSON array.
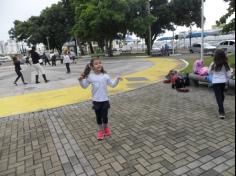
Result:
[{"x": 207, "y": 62}]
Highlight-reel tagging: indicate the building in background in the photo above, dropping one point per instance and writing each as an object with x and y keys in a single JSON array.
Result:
[
  {"x": 12, "y": 47},
  {"x": 2, "y": 48}
]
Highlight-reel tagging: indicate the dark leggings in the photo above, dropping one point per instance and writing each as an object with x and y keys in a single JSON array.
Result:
[
  {"x": 68, "y": 67},
  {"x": 101, "y": 111},
  {"x": 220, "y": 97},
  {"x": 19, "y": 74}
]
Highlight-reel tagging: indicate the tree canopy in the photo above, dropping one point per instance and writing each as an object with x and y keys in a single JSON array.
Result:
[
  {"x": 51, "y": 23},
  {"x": 106, "y": 20},
  {"x": 223, "y": 20}
]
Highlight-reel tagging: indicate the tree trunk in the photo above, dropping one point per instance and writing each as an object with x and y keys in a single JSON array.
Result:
[
  {"x": 106, "y": 46},
  {"x": 147, "y": 44},
  {"x": 91, "y": 47},
  {"x": 110, "y": 53},
  {"x": 148, "y": 47},
  {"x": 80, "y": 47},
  {"x": 59, "y": 49},
  {"x": 101, "y": 45}
]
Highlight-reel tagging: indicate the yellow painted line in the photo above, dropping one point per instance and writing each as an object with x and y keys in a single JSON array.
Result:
[{"x": 55, "y": 98}]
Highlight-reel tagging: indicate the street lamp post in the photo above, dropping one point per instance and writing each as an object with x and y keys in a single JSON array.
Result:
[
  {"x": 202, "y": 34},
  {"x": 149, "y": 28},
  {"x": 48, "y": 43},
  {"x": 190, "y": 36},
  {"x": 173, "y": 43}
]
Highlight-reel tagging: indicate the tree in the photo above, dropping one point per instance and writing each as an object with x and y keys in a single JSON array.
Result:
[
  {"x": 50, "y": 23},
  {"x": 56, "y": 25},
  {"x": 164, "y": 14},
  {"x": 186, "y": 13},
  {"x": 231, "y": 10},
  {"x": 20, "y": 30},
  {"x": 100, "y": 20},
  {"x": 138, "y": 20}
]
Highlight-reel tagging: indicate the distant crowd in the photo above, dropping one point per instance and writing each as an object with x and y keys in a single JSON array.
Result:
[{"x": 37, "y": 61}]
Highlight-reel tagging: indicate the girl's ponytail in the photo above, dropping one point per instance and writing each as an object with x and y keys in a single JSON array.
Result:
[{"x": 87, "y": 70}]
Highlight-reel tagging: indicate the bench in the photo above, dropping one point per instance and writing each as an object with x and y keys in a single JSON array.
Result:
[{"x": 197, "y": 79}]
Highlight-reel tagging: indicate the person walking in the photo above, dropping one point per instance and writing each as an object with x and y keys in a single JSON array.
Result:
[
  {"x": 45, "y": 59},
  {"x": 167, "y": 48},
  {"x": 95, "y": 75},
  {"x": 66, "y": 60},
  {"x": 39, "y": 69},
  {"x": 54, "y": 59},
  {"x": 18, "y": 69},
  {"x": 73, "y": 56},
  {"x": 221, "y": 74}
]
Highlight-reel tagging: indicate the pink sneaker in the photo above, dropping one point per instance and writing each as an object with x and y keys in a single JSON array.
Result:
[
  {"x": 107, "y": 131},
  {"x": 100, "y": 135}
]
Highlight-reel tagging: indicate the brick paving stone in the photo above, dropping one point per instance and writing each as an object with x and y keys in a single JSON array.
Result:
[
  {"x": 181, "y": 170},
  {"x": 204, "y": 152},
  {"x": 155, "y": 131},
  {"x": 195, "y": 172},
  {"x": 167, "y": 165},
  {"x": 210, "y": 173},
  {"x": 217, "y": 153},
  {"x": 231, "y": 162},
  {"x": 221, "y": 168},
  {"x": 208, "y": 165}
]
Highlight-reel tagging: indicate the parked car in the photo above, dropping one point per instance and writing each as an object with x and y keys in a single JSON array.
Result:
[
  {"x": 227, "y": 45},
  {"x": 5, "y": 59},
  {"x": 156, "y": 51},
  {"x": 208, "y": 49},
  {"x": 161, "y": 51}
]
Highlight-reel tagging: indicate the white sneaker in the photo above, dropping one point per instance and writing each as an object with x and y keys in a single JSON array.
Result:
[{"x": 222, "y": 116}]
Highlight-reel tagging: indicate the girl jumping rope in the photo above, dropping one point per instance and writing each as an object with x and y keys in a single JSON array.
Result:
[
  {"x": 95, "y": 75},
  {"x": 221, "y": 74}
]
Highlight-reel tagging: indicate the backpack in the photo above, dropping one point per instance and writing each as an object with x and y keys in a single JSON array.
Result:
[
  {"x": 179, "y": 83},
  {"x": 186, "y": 79}
]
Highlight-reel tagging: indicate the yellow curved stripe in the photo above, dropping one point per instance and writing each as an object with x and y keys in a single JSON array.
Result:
[{"x": 55, "y": 98}]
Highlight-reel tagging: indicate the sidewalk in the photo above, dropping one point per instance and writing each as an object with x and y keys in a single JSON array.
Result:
[{"x": 155, "y": 131}]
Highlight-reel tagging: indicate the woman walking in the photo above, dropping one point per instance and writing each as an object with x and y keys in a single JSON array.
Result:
[
  {"x": 66, "y": 60},
  {"x": 221, "y": 74}
]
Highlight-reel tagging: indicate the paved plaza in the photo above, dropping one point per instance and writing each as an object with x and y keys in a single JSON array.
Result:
[
  {"x": 63, "y": 89},
  {"x": 155, "y": 131}
]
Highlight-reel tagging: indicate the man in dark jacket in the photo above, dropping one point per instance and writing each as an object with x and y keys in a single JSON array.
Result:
[{"x": 35, "y": 59}]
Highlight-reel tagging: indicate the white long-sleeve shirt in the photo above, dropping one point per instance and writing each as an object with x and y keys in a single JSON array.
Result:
[
  {"x": 99, "y": 85},
  {"x": 66, "y": 59},
  {"x": 221, "y": 76}
]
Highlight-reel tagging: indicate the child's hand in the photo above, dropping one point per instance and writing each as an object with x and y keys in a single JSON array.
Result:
[
  {"x": 120, "y": 78},
  {"x": 81, "y": 77}
]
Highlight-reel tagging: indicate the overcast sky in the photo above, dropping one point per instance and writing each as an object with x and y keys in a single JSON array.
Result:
[{"x": 11, "y": 10}]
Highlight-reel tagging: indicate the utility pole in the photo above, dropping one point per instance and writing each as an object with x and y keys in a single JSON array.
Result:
[
  {"x": 173, "y": 43},
  {"x": 149, "y": 29},
  {"x": 190, "y": 36},
  {"x": 202, "y": 34}
]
